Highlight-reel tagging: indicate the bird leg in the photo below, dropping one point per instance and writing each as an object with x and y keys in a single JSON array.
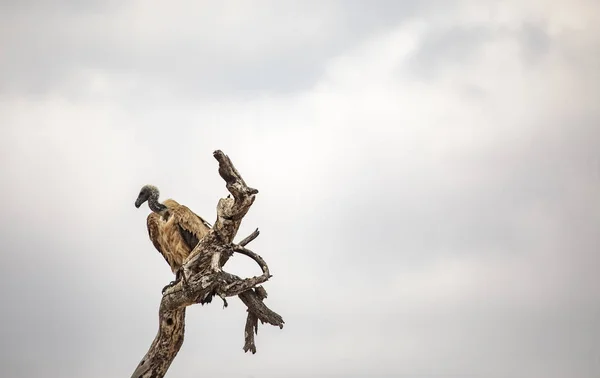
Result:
[
  {"x": 179, "y": 276},
  {"x": 225, "y": 304},
  {"x": 169, "y": 285}
]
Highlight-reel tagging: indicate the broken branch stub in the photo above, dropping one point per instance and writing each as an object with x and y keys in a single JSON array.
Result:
[{"x": 205, "y": 278}]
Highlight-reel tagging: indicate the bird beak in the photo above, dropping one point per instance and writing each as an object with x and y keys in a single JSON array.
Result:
[{"x": 138, "y": 203}]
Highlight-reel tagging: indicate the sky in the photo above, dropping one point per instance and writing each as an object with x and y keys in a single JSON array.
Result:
[{"x": 429, "y": 178}]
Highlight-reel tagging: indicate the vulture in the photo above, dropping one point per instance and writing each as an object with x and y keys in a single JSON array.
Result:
[{"x": 174, "y": 229}]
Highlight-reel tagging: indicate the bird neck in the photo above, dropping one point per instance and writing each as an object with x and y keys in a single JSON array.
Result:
[{"x": 154, "y": 205}]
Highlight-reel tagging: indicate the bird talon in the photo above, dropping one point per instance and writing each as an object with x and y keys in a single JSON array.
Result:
[
  {"x": 169, "y": 285},
  {"x": 182, "y": 276}
]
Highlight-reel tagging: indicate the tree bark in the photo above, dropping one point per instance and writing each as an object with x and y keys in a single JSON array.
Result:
[{"x": 203, "y": 278}]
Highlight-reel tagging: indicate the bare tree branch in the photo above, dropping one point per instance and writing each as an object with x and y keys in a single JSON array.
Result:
[
  {"x": 249, "y": 238},
  {"x": 249, "y": 331},
  {"x": 254, "y": 300},
  {"x": 204, "y": 278},
  {"x": 255, "y": 304},
  {"x": 259, "y": 260}
]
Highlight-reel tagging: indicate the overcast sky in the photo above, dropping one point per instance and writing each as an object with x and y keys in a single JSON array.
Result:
[{"x": 429, "y": 177}]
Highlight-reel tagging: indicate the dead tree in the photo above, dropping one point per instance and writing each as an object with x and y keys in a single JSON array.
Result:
[{"x": 203, "y": 278}]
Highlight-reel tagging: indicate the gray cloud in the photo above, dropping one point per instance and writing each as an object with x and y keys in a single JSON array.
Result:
[
  {"x": 456, "y": 45},
  {"x": 194, "y": 48},
  {"x": 428, "y": 185},
  {"x": 449, "y": 46}
]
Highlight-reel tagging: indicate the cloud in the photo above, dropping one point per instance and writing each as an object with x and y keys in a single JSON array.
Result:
[
  {"x": 428, "y": 182},
  {"x": 191, "y": 48}
]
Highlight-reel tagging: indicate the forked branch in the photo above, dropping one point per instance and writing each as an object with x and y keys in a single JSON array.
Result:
[{"x": 204, "y": 278}]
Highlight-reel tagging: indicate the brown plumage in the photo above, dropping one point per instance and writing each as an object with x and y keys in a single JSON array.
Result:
[{"x": 174, "y": 229}]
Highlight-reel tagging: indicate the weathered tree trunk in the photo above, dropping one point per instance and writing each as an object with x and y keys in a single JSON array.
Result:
[{"x": 204, "y": 278}]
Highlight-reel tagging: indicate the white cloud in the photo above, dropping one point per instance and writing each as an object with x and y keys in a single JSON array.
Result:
[{"x": 463, "y": 199}]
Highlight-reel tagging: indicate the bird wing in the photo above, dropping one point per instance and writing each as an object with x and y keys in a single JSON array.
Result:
[
  {"x": 171, "y": 204},
  {"x": 155, "y": 227},
  {"x": 192, "y": 226}
]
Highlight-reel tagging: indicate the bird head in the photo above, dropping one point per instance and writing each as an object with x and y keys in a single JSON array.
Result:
[{"x": 146, "y": 192}]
